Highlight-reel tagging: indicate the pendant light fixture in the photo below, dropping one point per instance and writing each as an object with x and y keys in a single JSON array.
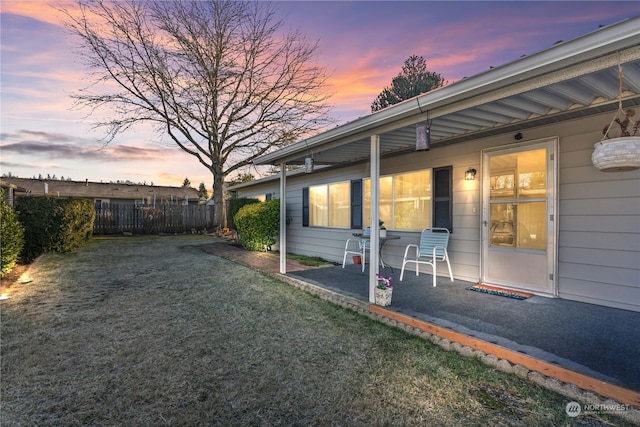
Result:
[
  {"x": 423, "y": 135},
  {"x": 423, "y": 138}
]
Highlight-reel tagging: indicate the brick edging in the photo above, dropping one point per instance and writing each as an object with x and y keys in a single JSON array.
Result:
[{"x": 620, "y": 394}]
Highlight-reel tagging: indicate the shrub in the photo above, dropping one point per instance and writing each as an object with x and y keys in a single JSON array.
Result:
[
  {"x": 234, "y": 206},
  {"x": 53, "y": 224},
  {"x": 258, "y": 224},
  {"x": 11, "y": 236}
]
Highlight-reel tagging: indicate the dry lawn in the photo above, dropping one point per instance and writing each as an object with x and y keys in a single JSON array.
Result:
[{"x": 152, "y": 331}]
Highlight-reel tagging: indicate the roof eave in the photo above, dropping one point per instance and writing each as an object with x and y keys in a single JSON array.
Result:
[{"x": 622, "y": 35}]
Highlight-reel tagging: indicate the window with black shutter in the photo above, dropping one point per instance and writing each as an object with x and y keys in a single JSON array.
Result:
[
  {"x": 356, "y": 204},
  {"x": 443, "y": 198},
  {"x": 305, "y": 207}
]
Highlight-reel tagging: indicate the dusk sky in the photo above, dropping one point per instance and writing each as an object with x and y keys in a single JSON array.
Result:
[{"x": 363, "y": 45}]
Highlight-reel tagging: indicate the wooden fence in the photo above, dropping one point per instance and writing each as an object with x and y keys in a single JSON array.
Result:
[{"x": 122, "y": 218}]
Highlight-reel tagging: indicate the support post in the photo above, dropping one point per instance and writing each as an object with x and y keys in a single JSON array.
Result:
[
  {"x": 374, "y": 259},
  {"x": 283, "y": 218}
]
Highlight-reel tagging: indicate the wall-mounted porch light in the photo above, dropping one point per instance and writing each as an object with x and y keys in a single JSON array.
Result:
[
  {"x": 470, "y": 174},
  {"x": 423, "y": 138}
]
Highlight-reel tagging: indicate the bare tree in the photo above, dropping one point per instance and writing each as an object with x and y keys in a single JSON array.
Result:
[{"x": 221, "y": 78}]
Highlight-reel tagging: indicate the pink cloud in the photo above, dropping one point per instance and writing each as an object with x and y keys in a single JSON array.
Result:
[
  {"x": 43, "y": 11},
  {"x": 365, "y": 43}
]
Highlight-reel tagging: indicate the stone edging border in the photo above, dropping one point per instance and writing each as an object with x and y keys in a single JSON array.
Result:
[{"x": 561, "y": 380}]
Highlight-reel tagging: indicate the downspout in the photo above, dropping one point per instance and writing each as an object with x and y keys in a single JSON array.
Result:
[
  {"x": 374, "y": 259},
  {"x": 283, "y": 218}
]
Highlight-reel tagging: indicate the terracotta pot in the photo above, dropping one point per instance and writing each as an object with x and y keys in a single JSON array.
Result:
[{"x": 357, "y": 259}]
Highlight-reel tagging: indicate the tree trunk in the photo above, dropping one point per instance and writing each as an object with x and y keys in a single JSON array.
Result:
[{"x": 218, "y": 199}]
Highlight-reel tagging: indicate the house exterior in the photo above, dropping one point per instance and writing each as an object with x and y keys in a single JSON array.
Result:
[
  {"x": 107, "y": 193},
  {"x": 509, "y": 172}
]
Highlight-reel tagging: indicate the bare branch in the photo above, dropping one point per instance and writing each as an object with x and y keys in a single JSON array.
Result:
[{"x": 220, "y": 78}]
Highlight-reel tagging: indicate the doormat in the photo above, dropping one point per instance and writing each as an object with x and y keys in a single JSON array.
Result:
[{"x": 494, "y": 290}]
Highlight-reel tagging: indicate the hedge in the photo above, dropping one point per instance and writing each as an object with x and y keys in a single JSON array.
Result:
[
  {"x": 54, "y": 225},
  {"x": 234, "y": 206},
  {"x": 11, "y": 236},
  {"x": 258, "y": 224}
]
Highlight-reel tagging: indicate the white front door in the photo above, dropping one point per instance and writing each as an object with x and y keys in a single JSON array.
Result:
[{"x": 519, "y": 217}]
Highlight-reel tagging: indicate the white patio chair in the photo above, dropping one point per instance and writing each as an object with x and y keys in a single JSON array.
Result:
[
  {"x": 357, "y": 246},
  {"x": 432, "y": 248}
]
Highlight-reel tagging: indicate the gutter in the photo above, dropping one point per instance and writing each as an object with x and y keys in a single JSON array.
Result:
[{"x": 607, "y": 40}]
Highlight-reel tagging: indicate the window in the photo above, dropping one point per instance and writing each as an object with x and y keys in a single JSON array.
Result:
[
  {"x": 405, "y": 200},
  {"x": 318, "y": 211},
  {"x": 339, "y": 204},
  {"x": 518, "y": 200},
  {"x": 408, "y": 201},
  {"x": 329, "y": 205},
  {"x": 413, "y": 200}
]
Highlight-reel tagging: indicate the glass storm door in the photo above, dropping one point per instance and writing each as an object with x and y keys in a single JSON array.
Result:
[{"x": 518, "y": 226}]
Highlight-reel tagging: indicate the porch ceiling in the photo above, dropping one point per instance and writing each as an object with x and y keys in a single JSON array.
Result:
[
  {"x": 460, "y": 127},
  {"x": 575, "y": 80},
  {"x": 574, "y": 98}
]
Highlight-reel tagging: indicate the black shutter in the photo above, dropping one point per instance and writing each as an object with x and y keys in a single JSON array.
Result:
[
  {"x": 443, "y": 197},
  {"x": 305, "y": 207},
  {"x": 356, "y": 203}
]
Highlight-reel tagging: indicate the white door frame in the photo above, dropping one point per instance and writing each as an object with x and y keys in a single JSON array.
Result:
[{"x": 551, "y": 144}]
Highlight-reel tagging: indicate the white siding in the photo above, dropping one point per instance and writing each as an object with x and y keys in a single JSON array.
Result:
[
  {"x": 325, "y": 242},
  {"x": 329, "y": 242},
  {"x": 598, "y": 214},
  {"x": 599, "y": 242}
]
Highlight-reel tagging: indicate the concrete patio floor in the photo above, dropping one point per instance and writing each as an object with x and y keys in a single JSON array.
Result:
[{"x": 599, "y": 342}]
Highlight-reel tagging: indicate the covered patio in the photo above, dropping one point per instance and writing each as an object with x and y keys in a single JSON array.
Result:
[{"x": 502, "y": 107}]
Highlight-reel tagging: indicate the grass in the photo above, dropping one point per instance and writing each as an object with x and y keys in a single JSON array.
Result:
[
  {"x": 153, "y": 331},
  {"x": 313, "y": 261}
]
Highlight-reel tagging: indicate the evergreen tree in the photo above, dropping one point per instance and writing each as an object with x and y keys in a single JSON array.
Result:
[
  {"x": 413, "y": 80},
  {"x": 202, "y": 191}
]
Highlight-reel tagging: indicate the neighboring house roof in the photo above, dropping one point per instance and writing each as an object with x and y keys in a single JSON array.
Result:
[
  {"x": 5, "y": 184},
  {"x": 572, "y": 79},
  {"x": 99, "y": 190},
  {"x": 10, "y": 191}
]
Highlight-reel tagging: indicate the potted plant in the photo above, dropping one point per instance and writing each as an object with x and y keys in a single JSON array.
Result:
[
  {"x": 619, "y": 149},
  {"x": 384, "y": 290},
  {"x": 383, "y": 231}
]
